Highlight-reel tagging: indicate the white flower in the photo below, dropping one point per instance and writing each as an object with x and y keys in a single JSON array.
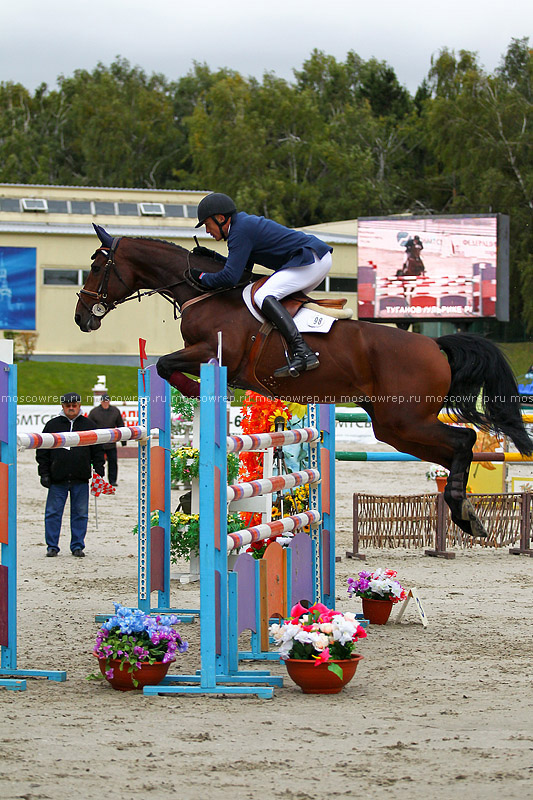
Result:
[{"x": 319, "y": 641}]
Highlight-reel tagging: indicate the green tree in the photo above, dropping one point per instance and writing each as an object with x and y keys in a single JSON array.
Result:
[{"x": 480, "y": 128}]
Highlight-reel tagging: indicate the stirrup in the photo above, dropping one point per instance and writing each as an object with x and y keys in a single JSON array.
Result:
[{"x": 297, "y": 365}]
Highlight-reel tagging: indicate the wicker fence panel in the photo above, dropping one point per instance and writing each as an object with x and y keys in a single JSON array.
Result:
[{"x": 410, "y": 520}]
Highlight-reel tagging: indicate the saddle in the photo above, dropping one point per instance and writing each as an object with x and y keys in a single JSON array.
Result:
[
  {"x": 253, "y": 369},
  {"x": 293, "y": 303}
]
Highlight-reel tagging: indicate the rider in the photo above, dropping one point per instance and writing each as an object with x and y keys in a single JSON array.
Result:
[{"x": 300, "y": 263}]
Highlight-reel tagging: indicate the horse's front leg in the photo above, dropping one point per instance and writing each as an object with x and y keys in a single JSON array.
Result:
[{"x": 172, "y": 366}]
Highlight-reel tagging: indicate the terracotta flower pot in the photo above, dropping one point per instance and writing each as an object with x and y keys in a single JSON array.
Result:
[
  {"x": 122, "y": 680},
  {"x": 315, "y": 678},
  {"x": 441, "y": 483},
  {"x": 377, "y": 612}
]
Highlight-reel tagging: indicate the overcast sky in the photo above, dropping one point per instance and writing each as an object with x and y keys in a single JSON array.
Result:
[{"x": 41, "y": 39}]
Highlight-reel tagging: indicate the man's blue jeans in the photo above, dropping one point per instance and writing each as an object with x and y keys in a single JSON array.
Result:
[{"x": 79, "y": 513}]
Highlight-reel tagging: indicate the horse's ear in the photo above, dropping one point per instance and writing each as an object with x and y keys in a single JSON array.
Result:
[{"x": 103, "y": 235}]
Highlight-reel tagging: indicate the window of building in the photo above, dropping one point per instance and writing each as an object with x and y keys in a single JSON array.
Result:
[
  {"x": 64, "y": 277},
  {"x": 9, "y": 204},
  {"x": 34, "y": 204},
  {"x": 192, "y": 211},
  {"x": 152, "y": 209},
  {"x": 342, "y": 284},
  {"x": 172, "y": 210},
  {"x": 57, "y": 206},
  {"x": 81, "y": 207},
  {"x": 128, "y": 209},
  {"x": 330, "y": 284},
  {"x": 103, "y": 207}
]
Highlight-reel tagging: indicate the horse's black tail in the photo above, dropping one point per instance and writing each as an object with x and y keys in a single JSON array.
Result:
[{"x": 483, "y": 389}]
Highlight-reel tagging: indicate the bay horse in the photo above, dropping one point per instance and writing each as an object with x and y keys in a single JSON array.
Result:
[{"x": 401, "y": 379}]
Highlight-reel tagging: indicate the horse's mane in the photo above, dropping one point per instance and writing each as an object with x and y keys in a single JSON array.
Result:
[
  {"x": 161, "y": 241},
  {"x": 208, "y": 264}
]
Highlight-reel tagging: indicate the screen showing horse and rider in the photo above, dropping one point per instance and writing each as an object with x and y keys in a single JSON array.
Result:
[{"x": 432, "y": 267}]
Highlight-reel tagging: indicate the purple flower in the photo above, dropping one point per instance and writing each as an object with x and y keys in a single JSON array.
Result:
[{"x": 110, "y": 674}]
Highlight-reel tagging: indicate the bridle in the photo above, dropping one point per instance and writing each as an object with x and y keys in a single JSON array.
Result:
[{"x": 102, "y": 306}]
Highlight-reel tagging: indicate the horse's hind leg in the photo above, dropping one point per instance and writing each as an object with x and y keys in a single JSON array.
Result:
[
  {"x": 446, "y": 445},
  {"x": 455, "y": 491}
]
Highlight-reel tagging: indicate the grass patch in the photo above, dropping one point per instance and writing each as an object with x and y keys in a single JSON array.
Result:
[
  {"x": 43, "y": 382},
  {"x": 520, "y": 355}
]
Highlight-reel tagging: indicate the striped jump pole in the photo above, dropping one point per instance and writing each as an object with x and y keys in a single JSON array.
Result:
[
  {"x": 11, "y": 677},
  {"x": 341, "y": 455},
  {"x": 51, "y": 441}
]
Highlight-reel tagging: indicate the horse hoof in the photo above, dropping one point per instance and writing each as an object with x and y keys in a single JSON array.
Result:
[{"x": 468, "y": 514}]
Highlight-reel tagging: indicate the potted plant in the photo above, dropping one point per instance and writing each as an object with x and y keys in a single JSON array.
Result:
[
  {"x": 438, "y": 474},
  {"x": 185, "y": 465},
  {"x": 317, "y": 645},
  {"x": 135, "y": 649},
  {"x": 379, "y": 591}
]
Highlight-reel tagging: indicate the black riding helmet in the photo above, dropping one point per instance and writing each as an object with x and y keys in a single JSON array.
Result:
[{"x": 215, "y": 203}]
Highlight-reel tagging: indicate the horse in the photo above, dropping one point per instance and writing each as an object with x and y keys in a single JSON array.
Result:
[{"x": 401, "y": 379}]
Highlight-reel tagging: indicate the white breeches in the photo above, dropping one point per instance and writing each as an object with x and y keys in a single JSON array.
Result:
[{"x": 294, "y": 279}]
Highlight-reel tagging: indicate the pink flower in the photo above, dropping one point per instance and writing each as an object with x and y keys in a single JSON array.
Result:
[
  {"x": 320, "y": 607},
  {"x": 323, "y": 657},
  {"x": 298, "y": 610}
]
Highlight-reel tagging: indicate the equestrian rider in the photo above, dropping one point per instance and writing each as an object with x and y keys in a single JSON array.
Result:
[{"x": 300, "y": 263}]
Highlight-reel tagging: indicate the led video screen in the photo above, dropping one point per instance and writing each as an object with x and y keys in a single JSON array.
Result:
[{"x": 433, "y": 267}]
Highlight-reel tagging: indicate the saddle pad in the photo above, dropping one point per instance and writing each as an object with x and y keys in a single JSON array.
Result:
[{"x": 307, "y": 321}]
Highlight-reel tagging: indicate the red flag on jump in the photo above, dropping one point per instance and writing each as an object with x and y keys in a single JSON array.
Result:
[
  {"x": 142, "y": 356},
  {"x": 142, "y": 352}
]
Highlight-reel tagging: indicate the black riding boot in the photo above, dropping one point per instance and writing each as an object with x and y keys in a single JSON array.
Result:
[{"x": 302, "y": 357}]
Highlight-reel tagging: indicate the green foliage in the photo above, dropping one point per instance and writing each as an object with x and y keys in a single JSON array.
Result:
[
  {"x": 344, "y": 139},
  {"x": 185, "y": 465}
]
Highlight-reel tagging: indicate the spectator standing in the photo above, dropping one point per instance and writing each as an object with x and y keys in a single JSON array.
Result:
[
  {"x": 66, "y": 471},
  {"x": 107, "y": 416}
]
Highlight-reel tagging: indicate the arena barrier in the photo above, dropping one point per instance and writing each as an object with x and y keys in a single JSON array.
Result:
[
  {"x": 416, "y": 521},
  {"x": 11, "y": 676},
  {"x": 404, "y": 512},
  {"x": 247, "y": 595}
]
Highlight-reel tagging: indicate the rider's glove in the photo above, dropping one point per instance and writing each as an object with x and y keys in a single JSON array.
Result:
[
  {"x": 207, "y": 253},
  {"x": 194, "y": 275}
]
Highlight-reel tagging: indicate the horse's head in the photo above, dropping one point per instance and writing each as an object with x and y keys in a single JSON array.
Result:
[
  {"x": 122, "y": 267},
  {"x": 105, "y": 285}
]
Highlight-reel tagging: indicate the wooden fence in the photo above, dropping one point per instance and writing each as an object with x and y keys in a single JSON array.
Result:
[{"x": 416, "y": 521}]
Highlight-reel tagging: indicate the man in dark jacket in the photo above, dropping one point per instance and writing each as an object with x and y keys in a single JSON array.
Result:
[
  {"x": 67, "y": 470},
  {"x": 107, "y": 416}
]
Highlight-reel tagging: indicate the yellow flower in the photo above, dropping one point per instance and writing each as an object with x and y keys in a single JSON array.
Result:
[
  {"x": 273, "y": 417},
  {"x": 297, "y": 410}
]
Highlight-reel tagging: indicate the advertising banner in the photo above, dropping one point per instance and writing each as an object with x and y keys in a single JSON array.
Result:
[{"x": 17, "y": 288}]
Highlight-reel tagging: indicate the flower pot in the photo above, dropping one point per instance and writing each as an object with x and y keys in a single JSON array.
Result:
[
  {"x": 145, "y": 675},
  {"x": 377, "y": 612},
  {"x": 315, "y": 678},
  {"x": 441, "y": 483}
]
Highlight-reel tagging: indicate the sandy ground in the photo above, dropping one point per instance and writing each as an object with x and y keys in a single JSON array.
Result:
[{"x": 432, "y": 712}]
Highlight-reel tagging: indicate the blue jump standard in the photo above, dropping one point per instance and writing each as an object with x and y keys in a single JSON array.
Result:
[{"x": 11, "y": 677}]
